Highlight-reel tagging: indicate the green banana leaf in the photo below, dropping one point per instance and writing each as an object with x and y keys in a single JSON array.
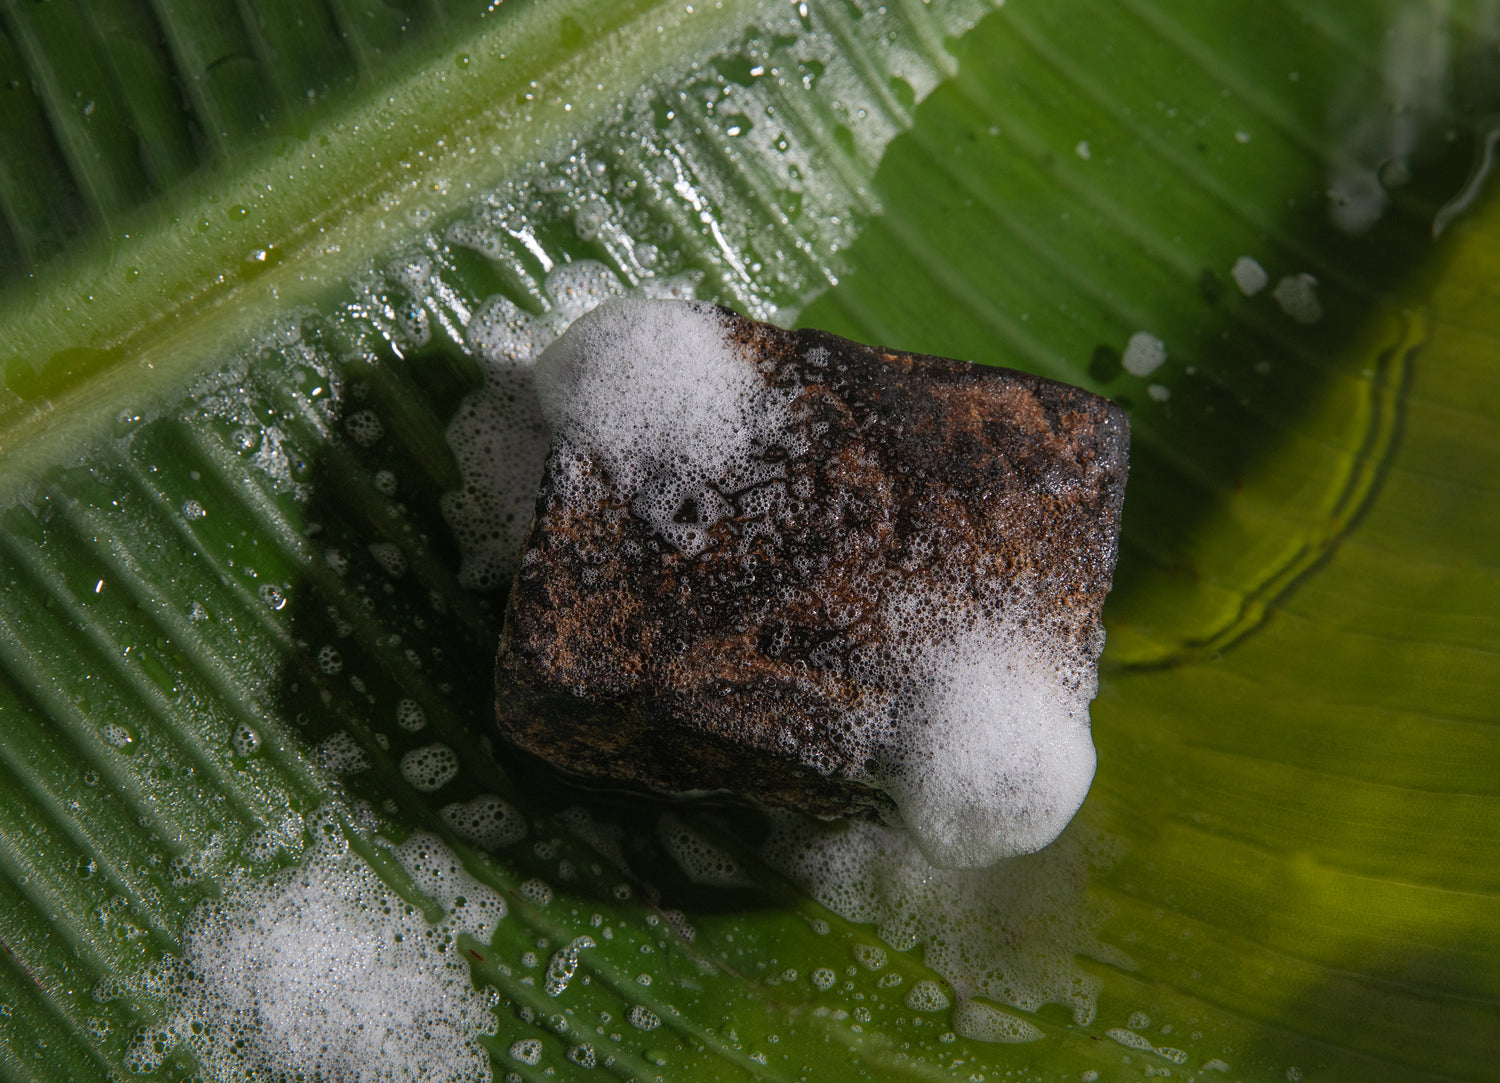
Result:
[{"x": 257, "y": 262}]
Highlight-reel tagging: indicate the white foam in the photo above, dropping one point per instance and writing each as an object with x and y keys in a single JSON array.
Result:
[
  {"x": 390, "y": 558},
  {"x": 527, "y": 1050},
  {"x": 927, "y": 996},
  {"x": 1249, "y": 276},
  {"x": 643, "y": 1018},
  {"x": 1298, "y": 297},
  {"x": 469, "y": 906},
  {"x": 703, "y": 861},
  {"x": 656, "y": 394},
  {"x": 983, "y": 1023},
  {"x": 341, "y": 754},
  {"x": 410, "y": 716},
  {"x": 536, "y": 890},
  {"x": 246, "y": 741},
  {"x": 365, "y": 428},
  {"x": 499, "y": 436},
  {"x": 1144, "y": 354},
  {"x": 500, "y": 443},
  {"x": 564, "y": 964},
  {"x": 1011, "y": 933},
  {"x": 487, "y": 821},
  {"x": 323, "y": 971},
  {"x": 430, "y": 767}
]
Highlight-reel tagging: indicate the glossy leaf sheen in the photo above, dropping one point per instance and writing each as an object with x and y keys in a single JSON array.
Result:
[{"x": 1298, "y": 763}]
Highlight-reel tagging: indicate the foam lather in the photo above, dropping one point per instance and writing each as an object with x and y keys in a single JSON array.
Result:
[{"x": 830, "y": 577}]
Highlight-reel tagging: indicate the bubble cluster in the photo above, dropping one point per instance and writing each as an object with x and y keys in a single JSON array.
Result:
[
  {"x": 927, "y": 996},
  {"x": 330, "y": 661},
  {"x": 364, "y": 428},
  {"x": 1010, "y": 933},
  {"x": 564, "y": 964},
  {"x": 984, "y": 743},
  {"x": 430, "y": 767},
  {"x": 643, "y": 1018},
  {"x": 390, "y": 558},
  {"x": 1144, "y": 354},
  {"x": 527, "y": 1050},
  {"x": 487, "y": 821},
  {"x": 410, "y": 716},
  {"x": 658, "y": 395},
  {"x": 342, "y": 755},
  {"x": 469, "y": 906},
  {"x": 536, "y": 890},
  {"x": 246, "y": 741},
  {"x": 1298, "y": 297},
  {"x": 702, "y": 861},
  {"x": 984, "y": 1023},
  {"x": 500, "y": 443},
  {"x": 1249, "y": 276},
  {"x": 322, "y": 972}
]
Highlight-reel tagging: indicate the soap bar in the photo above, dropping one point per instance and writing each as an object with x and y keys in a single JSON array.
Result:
[{"x": 830, "y": 577}]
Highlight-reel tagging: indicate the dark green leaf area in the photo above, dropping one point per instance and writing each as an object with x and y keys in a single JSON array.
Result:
[{"x": 1059, "y": 200}]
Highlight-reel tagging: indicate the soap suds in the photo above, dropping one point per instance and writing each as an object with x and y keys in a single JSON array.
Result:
[
  {"x": 703, "y": 861},
  {"x": 500, "y": 442},
  {"x": 430, "y": 767},
  {"x": 657, "y": 394},
  {"x": 1249, "y": 276},
  {"x": 341, "y": 754},
  {"x": 1010, "y": 933},
  {"x": 985, "y": 746},
  {"x": 487, "y": 821},
  {"x": 323, "y": 972},
  {"x": 984, "y": 1023},
  {"x": 1144, "y": 354},
  {"x": 1298, "y": 297},
  {"x": 499, "y": 435},
  {"x": 927, "y": 996}
]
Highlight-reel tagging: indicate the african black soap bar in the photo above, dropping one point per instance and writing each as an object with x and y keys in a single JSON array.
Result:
[{"x": 831, "y": 577}]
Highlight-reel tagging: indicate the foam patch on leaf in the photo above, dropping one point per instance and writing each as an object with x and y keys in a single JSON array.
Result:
[
  {"x": 1010, "y": 933},
  {"x": 322, "y": 971}
]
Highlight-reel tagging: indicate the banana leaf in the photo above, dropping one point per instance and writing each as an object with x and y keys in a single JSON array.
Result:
[{"x": 260, "y": 268}]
